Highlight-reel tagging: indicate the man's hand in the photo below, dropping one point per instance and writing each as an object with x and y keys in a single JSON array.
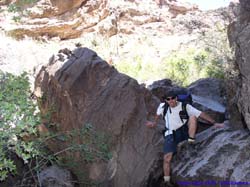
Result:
[
  {"x": 150, "y": 124},
  {"x": 219, "y": 125}
]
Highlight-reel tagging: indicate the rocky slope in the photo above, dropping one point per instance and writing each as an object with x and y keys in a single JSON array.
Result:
[
  {"x": 71, "y": 19},
  {"x": 239, "y": 36},
  {"x": 118, "y": 30}
]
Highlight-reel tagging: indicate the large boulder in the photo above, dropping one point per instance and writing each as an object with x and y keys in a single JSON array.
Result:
[
  {"x": 98, "y": 116},
  {"x": 209, "y": 95},
  {"x": 239, "y": 35},
  {"x": 210, "y": 88},
  {"x": 220, "y": 157}
]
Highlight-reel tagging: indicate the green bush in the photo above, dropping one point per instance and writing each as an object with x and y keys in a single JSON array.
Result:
[
  {"x": 191, "y": 65},
  {"x": 19, "y": 118},
  {"x": 130, "y": 68},
  {"x": 210, "y": 57},
  {"x": 17, "y": 121},
  {"x": 183, "y": 67},
  {"x": 20, "y": 8}
]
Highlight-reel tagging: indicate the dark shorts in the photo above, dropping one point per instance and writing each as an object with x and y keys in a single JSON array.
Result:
[{"x": 171, "y": 141}]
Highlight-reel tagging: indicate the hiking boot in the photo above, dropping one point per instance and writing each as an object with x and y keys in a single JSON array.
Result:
[
  {"x": 191, "y": 140},
  {"x": 168, "y": 184}
]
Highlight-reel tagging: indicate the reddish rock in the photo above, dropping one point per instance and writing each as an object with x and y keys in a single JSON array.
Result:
[{"x": 79, "y": 89}]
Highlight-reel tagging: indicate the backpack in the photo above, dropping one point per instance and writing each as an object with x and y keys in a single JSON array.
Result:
[{"x": 184, "y": 99}]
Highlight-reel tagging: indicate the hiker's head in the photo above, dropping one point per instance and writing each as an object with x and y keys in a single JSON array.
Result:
[{"x": 171, "y": 98}]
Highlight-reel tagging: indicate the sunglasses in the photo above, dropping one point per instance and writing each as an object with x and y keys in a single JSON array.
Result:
[{"x": 171, "y": 98}]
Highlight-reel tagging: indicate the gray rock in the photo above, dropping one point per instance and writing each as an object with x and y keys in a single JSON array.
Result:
[
  {"x": 239, "y": 36},
  {"x": 219, "y": 155},
  {"x": 209, "y": 95},
  {"x": 210, "y": 88},
  {"x": 55, "y": 177}
]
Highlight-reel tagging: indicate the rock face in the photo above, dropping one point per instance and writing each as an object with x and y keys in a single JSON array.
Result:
[
  {"x": 73, "y": 18},
  {"x": 5, "y": 2},
  {"x": 66, "y": 5},
  {"x": 219, "y": 155},
  {"x": 209, "y": 95},
  {"x": 239, "y": 36},
  {"x": 210, "y": 88},
  {"x": 86, "y": 94},
  {"x": 64, "y": 20},
  {"x": 178, "y": 7}
]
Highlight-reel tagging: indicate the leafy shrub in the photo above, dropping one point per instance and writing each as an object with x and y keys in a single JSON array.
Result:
[
  {"x": 20, "y": 7},
  {"x": 18, "y": 120},
  {"x": 130, "y": 68},
  {"x": 183, "y": 67},
  {"x": 191, "y": 65},
  {"x": 210, "y": 57}
]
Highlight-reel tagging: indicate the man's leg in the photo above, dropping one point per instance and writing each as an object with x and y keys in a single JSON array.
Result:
[
  {"x": 166, "y": 166},
  {"x": 192, "y": 126}
]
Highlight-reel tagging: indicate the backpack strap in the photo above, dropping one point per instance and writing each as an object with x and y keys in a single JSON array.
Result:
[
  {"x": 183, "y": 113},
  {"x": 165, "y": 106}
]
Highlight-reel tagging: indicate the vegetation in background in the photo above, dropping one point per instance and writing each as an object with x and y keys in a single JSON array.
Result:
[
  {"x": 181, "y": 67},
  {"x": 185, "y": 68},
  {"x": 211, "y": 57},
  {"x": 19, "y": 8}
]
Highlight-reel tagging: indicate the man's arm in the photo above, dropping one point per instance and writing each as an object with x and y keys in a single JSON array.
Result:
[
  {"x": 156, "y": 119},
  {"x": 206, "y": 117},
  {"x": 153, "y": 123}
]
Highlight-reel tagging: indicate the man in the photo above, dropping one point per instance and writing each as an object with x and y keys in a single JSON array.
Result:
[{"x": 177, "y": 129}]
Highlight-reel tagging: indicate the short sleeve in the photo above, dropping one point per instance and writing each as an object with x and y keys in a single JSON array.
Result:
[
  {"x": 193, "y": 111},
  {"x": 160, "y": 109}
]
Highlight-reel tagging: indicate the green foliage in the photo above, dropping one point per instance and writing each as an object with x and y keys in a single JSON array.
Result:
[
  {"x": 19, "y": 7},
  {"x": 18, "y": 123},
  {"x": 88, "y": 142},
  {"x": 210, "y": 57},
  {"x": 84, "y": 144},
  {"x": 16, "y": 18},
  {"x": 18, "y": 120},
  {"x": 185, "y": 68},
  {"x": 130, "y": 68},
  {"x": 13, "y": 8}
]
